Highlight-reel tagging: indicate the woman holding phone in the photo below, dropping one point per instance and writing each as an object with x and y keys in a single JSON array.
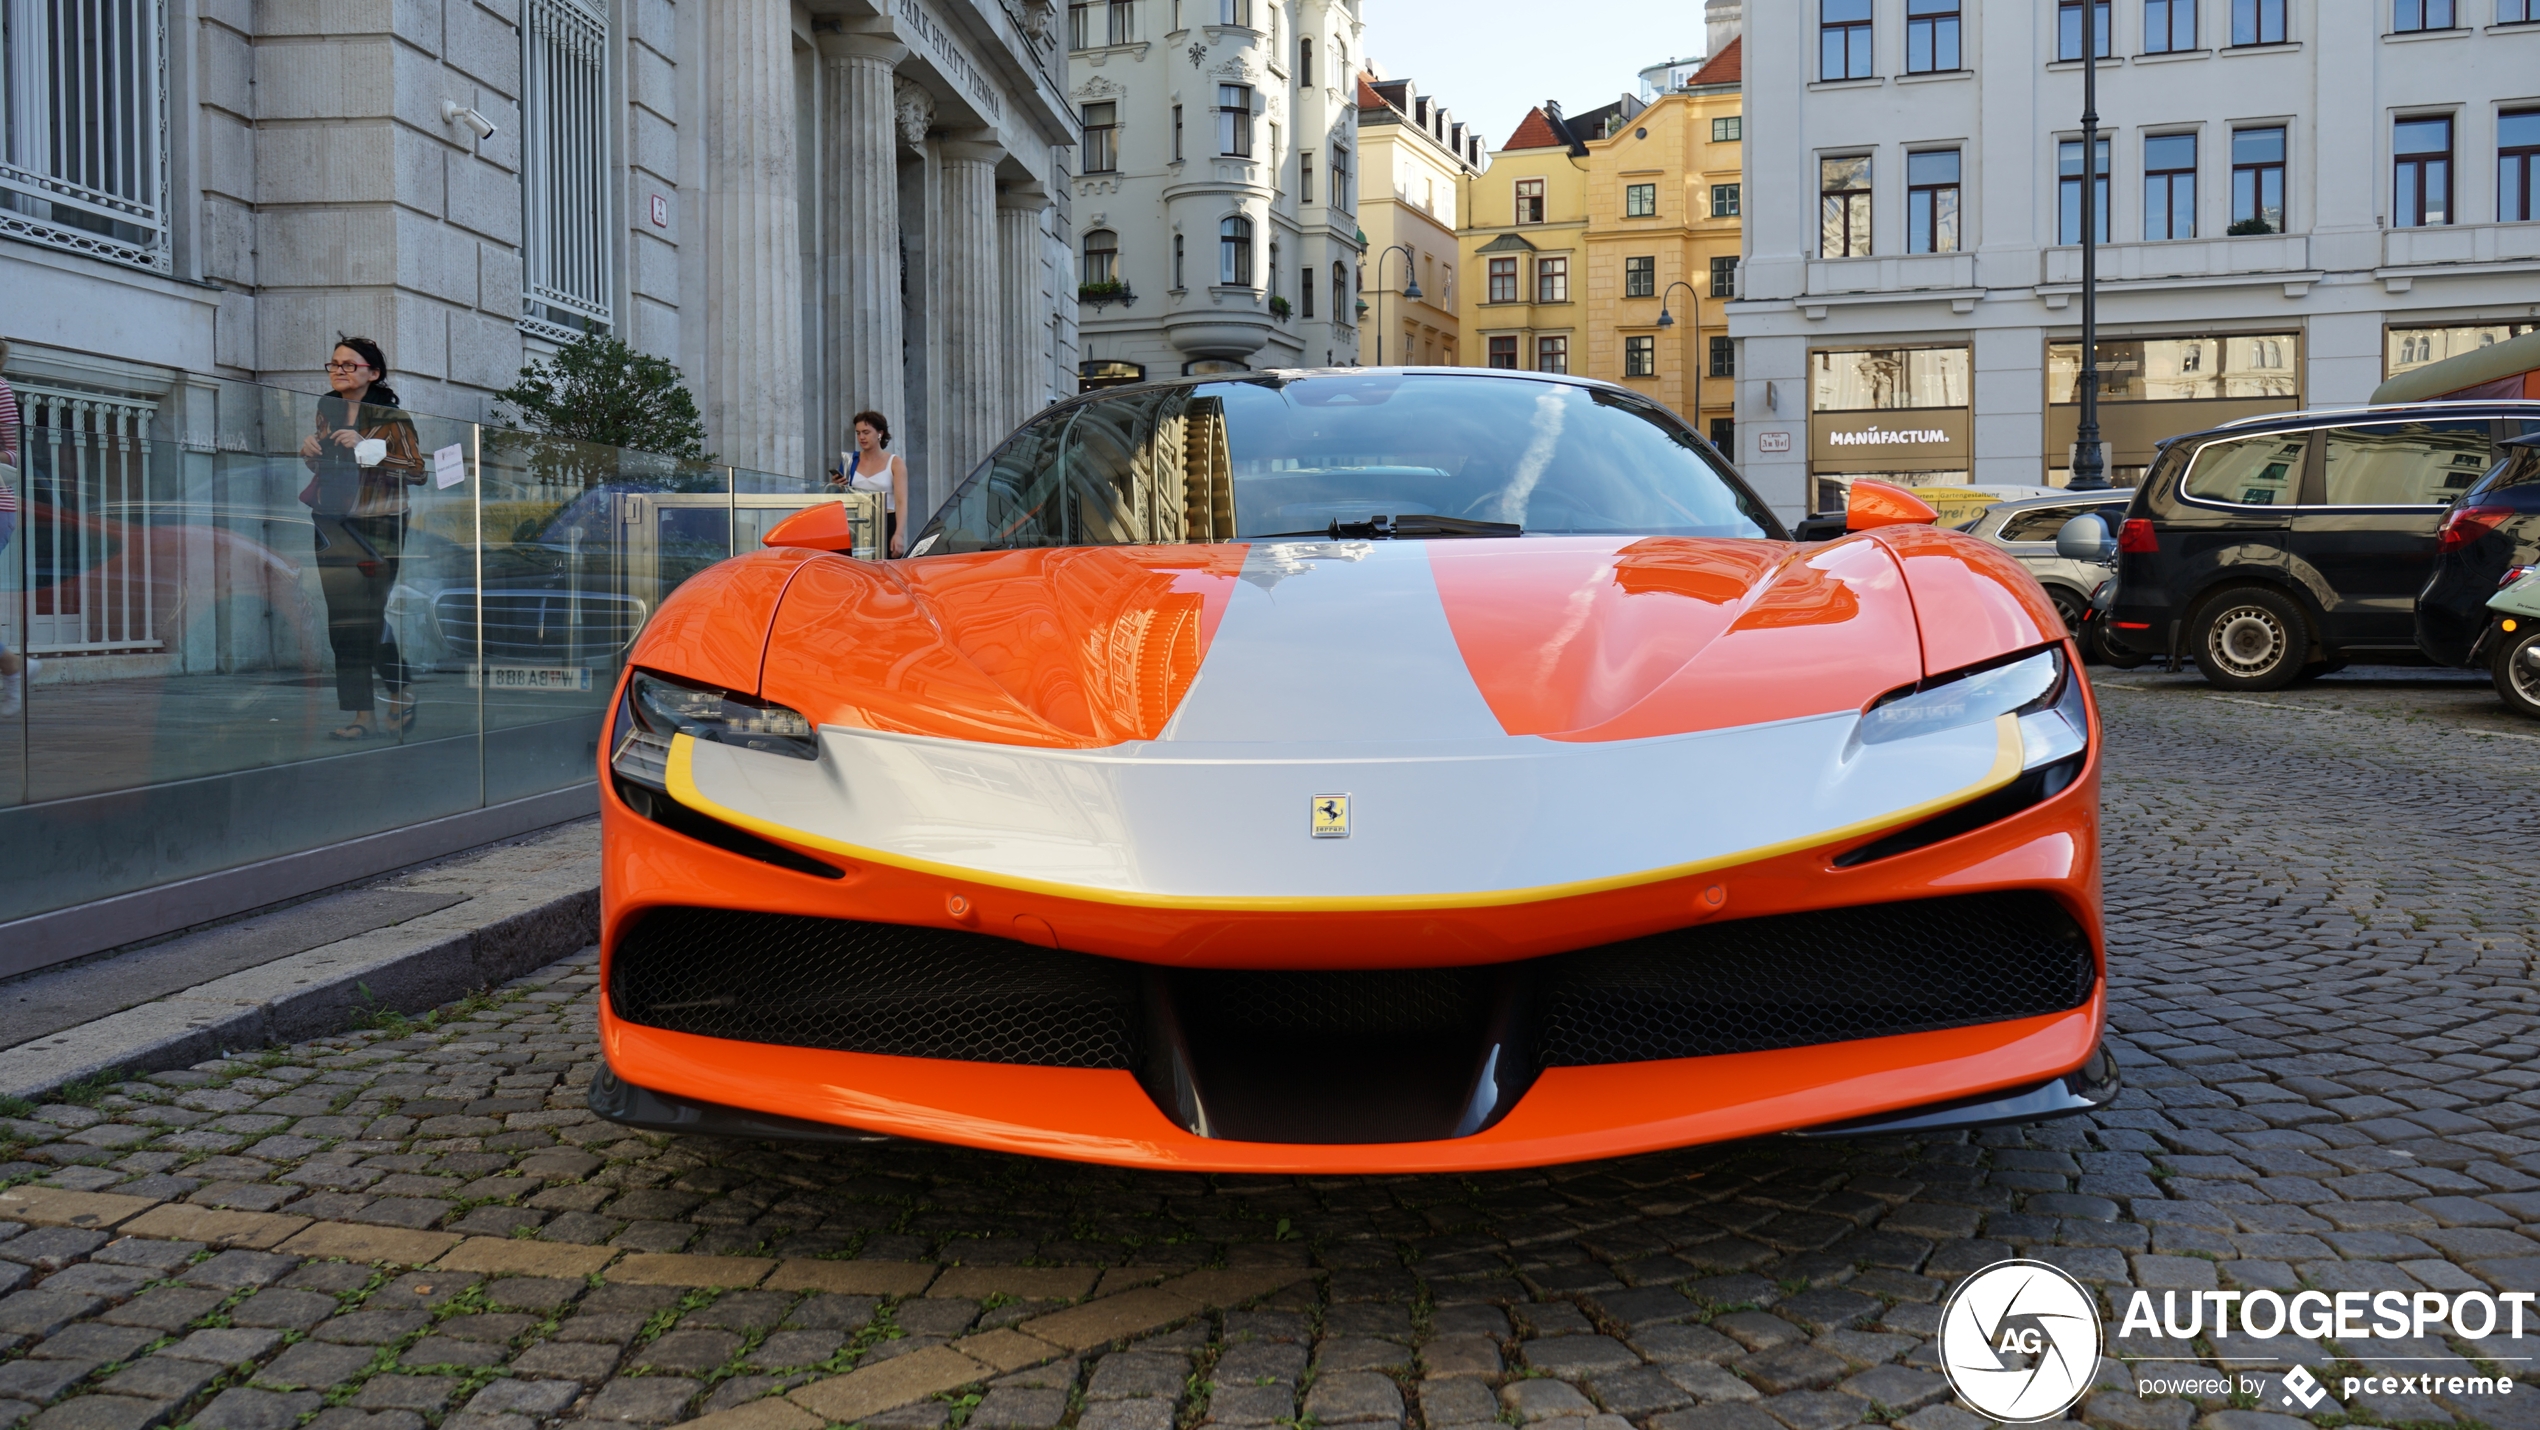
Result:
[{"x": 362, "y": 456}]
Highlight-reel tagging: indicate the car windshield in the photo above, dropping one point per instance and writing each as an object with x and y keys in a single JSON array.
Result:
[{"x": 1377, "y": 454}]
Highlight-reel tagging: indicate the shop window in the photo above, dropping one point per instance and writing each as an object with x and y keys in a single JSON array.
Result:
[
  {"x": 2255, "y": 365},
  {"x": 2408, "y": 349},
  {"x": 2257, "y": 180},
  {"x": 1881, "y": 379}
]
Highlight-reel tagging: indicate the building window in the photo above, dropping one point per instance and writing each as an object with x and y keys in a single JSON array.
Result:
[
  {"x": 1080, "y": 24},
  {"x": 1235, "y": 12},
  {"x": 1724, "y": 433},
  {"x": 2257, "y": 22},
  {"x": 1724, "y": 277},
  {"x": 1102, "y": 258},
  {"x": 1843, "y": 39},
  {"x": 1723, "y": 357},
  {"x": 2421, "y": 194},
  {"x": 1843, "y": 203},
  {"x": 1342, "y": 312},
  {"x": 1340, "y": 180},
  {"x": 1305, "y": 175},
  {"x": 1503, "y": 353},
  {"x": 2169, "y": 187},
  {"x": 1724, "y": 200},
  {"x": 2413, "y": 15},
  {"x": 1503, "y": 280},
  {"x": 2169, "y": 26},
  {"x": 1552, "y": 354},
  {"x": 1552, "y": 280},
  {"x": 1640, "y": 355},
  {"x": 2517, "y": 163},
  {"x": 1931, "y": 202},
  {"x": 1640, "y": 201},
  {"x": 566, "y": 212},
  {"x": 2257, "y": 180},
  {"x": 1530, "y": 201},
  {"x": 1177, "y": 262},
  {"x": 1234, "y": 120},
  {"x": 1728, "y": 129},
  {"x": 1931, "y": 36},
  {"x": 2068, "y": 168},
  {"x": 1102, "y": 152},
  {"x": 1305, "y": 61},
  {"x": 1177, "y": 134},
  {"x": 2517, "y": 12},
  {"x": 1271, "y": 272},
  {"x": 2068, "y": 20},
  {"x": 1122, "y": 22},
  {"x": 1640, "y": 277},
  {"x": 1234, "y": 252},
  {"x": 1305, "y": 291}
]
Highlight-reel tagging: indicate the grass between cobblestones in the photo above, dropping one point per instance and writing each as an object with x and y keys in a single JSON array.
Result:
[{"x": 2321, "y": 992}]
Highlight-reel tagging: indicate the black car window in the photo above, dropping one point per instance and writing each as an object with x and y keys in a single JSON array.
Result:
[
  {"x": 2249, "y": 471},
  {"x": 1276, "y": 456},
  {"x": 2403, "y": 463},
  {"x": 2038, "y": 523},
  {"x": 2515, "y": 482}
]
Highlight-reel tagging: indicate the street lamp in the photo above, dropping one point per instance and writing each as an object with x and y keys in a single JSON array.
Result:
[
  {"x": 1668, "y": 320},
  {"x": 1410, "y": 289},
  {"x": 2089, "y": 471}
]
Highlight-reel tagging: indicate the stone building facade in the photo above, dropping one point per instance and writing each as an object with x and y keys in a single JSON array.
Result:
[
  {"x": 1216, "y": 218},
  {"x": 811, "y": 206}
]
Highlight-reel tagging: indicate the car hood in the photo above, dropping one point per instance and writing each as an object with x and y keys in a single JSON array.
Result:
[{"x": 1568, "y": 638}]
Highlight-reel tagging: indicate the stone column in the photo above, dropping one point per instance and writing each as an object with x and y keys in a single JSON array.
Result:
[
  {"x": 969, "y": 332},
  {"x": 752, "y": 387},
  {"x": 1025, "y": 328},
  {"x": 860, "y": 233}
]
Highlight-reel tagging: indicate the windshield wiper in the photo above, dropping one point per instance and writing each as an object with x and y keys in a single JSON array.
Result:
[{"x": 1389, "y": 528}]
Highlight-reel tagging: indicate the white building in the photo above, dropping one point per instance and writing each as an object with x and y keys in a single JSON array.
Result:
[
  {"x": 1216, "y": 203},
  {"x": 2302, "y": 200},
  {"x": 811, "y": 206}
]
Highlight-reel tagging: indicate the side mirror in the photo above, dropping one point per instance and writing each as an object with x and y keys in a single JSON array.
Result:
[
  {"x": 2085, "y": 538},
  {"x": 825, "y": 527},
  {"x": 1874, "y": 504}
]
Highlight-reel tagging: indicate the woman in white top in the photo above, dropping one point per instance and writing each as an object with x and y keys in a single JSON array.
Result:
[{"x": 870, "y": 468}]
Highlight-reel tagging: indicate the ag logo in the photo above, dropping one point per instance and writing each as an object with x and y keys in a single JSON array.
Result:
[
  {"x": 1331, "y": 817},
  {"x": 2020, "y": 1341}
]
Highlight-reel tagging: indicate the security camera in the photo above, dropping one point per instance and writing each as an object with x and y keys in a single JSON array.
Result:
[{"x": 453, "y": 112}]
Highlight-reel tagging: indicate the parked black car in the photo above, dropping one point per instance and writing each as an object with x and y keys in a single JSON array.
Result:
[
  {"x": 2485, "y": 543},
  {"x": 2279, "y": 547}
]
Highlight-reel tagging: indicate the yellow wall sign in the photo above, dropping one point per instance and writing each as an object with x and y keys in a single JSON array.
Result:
[{"x": 1331, "y": 816}]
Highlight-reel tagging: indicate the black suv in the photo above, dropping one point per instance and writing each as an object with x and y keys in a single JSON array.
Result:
[
  {"x": 2279, "y": 547},
  {"x": 2489, "y": 538}
]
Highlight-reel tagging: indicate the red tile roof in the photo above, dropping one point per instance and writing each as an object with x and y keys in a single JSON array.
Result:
[
  {"x": 1724, "y": 68},
  {"x": 1367, "y": 96},
  {"x": 1534, "y": 132}
]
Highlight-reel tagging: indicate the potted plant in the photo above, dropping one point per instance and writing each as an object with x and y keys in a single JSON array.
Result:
[
  {"x": 1108, "y": 291},
  {"x": 1279, "y": 306}
]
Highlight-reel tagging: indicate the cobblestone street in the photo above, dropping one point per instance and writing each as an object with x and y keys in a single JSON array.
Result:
[{"x": 2320, "y": 919}]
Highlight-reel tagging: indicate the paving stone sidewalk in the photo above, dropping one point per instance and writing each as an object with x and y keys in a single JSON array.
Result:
[{"x": 2320, "y": 929}]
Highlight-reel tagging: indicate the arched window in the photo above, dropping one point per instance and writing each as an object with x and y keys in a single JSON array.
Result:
[
  {"x": 1305, "y": 61},
  {"x": 1234, "y": 252},
  {"x": 1102, "y": 257}
]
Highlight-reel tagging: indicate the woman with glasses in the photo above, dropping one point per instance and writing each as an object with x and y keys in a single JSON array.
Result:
[{"x": 361, "y": 458}]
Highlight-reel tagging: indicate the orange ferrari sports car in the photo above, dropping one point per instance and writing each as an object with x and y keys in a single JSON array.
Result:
[{"x": 1339, "y": 771}]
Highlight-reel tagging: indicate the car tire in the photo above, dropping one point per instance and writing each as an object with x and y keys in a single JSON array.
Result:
[
  {"x": 2097, "y": 649},
  {"x": 2516, "y": 666},
  {"x": 2250, "y": 638},
  {"x": 2069, "y": 606}
]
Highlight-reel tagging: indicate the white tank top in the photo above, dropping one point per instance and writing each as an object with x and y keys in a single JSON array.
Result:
[{"x": 858, "y": 480}]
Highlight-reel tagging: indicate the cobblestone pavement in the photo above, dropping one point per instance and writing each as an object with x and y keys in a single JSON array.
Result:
[{"x": 2321, "y": 962}]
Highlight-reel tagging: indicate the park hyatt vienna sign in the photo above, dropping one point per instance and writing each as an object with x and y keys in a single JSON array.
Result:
[{"x": 1930, "y": 437}]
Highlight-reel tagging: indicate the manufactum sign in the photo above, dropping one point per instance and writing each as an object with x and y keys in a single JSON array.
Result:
[{"x": 1937, "y": 438}]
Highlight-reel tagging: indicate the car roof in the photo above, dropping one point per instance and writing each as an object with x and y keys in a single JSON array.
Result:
[
  {"x": 2378, "y": 412},
  {"x": 2065, "y": 498},
  {"x": 1284, "y": 375}
]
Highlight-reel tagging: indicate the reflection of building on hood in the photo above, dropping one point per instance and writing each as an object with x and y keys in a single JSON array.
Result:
[{"x": 1275, "y": 561}]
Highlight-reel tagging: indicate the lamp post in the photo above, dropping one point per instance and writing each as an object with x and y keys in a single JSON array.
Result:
[
  {"x": 1668, "y": 320},
  {"x": 2089, "y": 471},
  {"x": 1410, "y": 289}
]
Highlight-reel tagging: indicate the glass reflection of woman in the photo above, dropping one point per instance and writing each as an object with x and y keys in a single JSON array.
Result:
[
  {"x": 357, "y": 500},
  {"x": 871, "y": 468}
]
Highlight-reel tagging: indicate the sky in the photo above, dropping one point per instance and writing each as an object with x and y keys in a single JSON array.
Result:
[{"x": 1489, "y": 61}]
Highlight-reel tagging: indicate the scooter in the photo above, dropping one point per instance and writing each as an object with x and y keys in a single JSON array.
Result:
[{"x": 2514, "y": 643}]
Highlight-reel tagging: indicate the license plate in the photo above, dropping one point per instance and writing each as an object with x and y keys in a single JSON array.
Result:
[{"x": 530, "y": 677}]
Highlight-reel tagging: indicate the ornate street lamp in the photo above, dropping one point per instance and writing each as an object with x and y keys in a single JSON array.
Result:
[
  {"x": 1668, "y": 320},
  {"x": 1410, "y": 290},
  {"x": 2089, "y": 468}
]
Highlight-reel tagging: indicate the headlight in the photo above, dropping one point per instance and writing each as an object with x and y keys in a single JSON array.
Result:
[
  {"x": 2042, "y": 690},
  {"x": 656, "y": 709}
]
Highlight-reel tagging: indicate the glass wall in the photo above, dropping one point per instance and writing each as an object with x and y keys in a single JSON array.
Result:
[{"x": 257, "y": 622}]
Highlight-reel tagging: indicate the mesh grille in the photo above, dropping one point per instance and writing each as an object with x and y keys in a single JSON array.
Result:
[
  {"x": 1825, "y": 977},
  {"x": 874, "y": 988},
  {"x": 1782, "y": 982}
]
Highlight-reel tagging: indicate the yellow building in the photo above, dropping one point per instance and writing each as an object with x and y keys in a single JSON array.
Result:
[
  {"x": 1414, "y": 160},
  {"x": 1585, "y": 230}
]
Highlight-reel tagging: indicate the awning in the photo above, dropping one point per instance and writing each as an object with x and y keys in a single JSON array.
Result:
[{"x": 2507, "y": 369}]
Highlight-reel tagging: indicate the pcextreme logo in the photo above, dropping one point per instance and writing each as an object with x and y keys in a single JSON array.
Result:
[{"x": 2020, "y": 1341}]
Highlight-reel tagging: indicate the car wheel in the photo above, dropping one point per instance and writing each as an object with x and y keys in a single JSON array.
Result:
[
  {"x": 2099, "y": 650},
  {"x": 2068, "y": 606},
  {"x": 2251, "y": 639},
  {"x": 2517, "y": 669}
]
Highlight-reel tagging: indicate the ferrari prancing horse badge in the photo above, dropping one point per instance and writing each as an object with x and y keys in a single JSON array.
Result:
[{"x": 1331, "y": 816}]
